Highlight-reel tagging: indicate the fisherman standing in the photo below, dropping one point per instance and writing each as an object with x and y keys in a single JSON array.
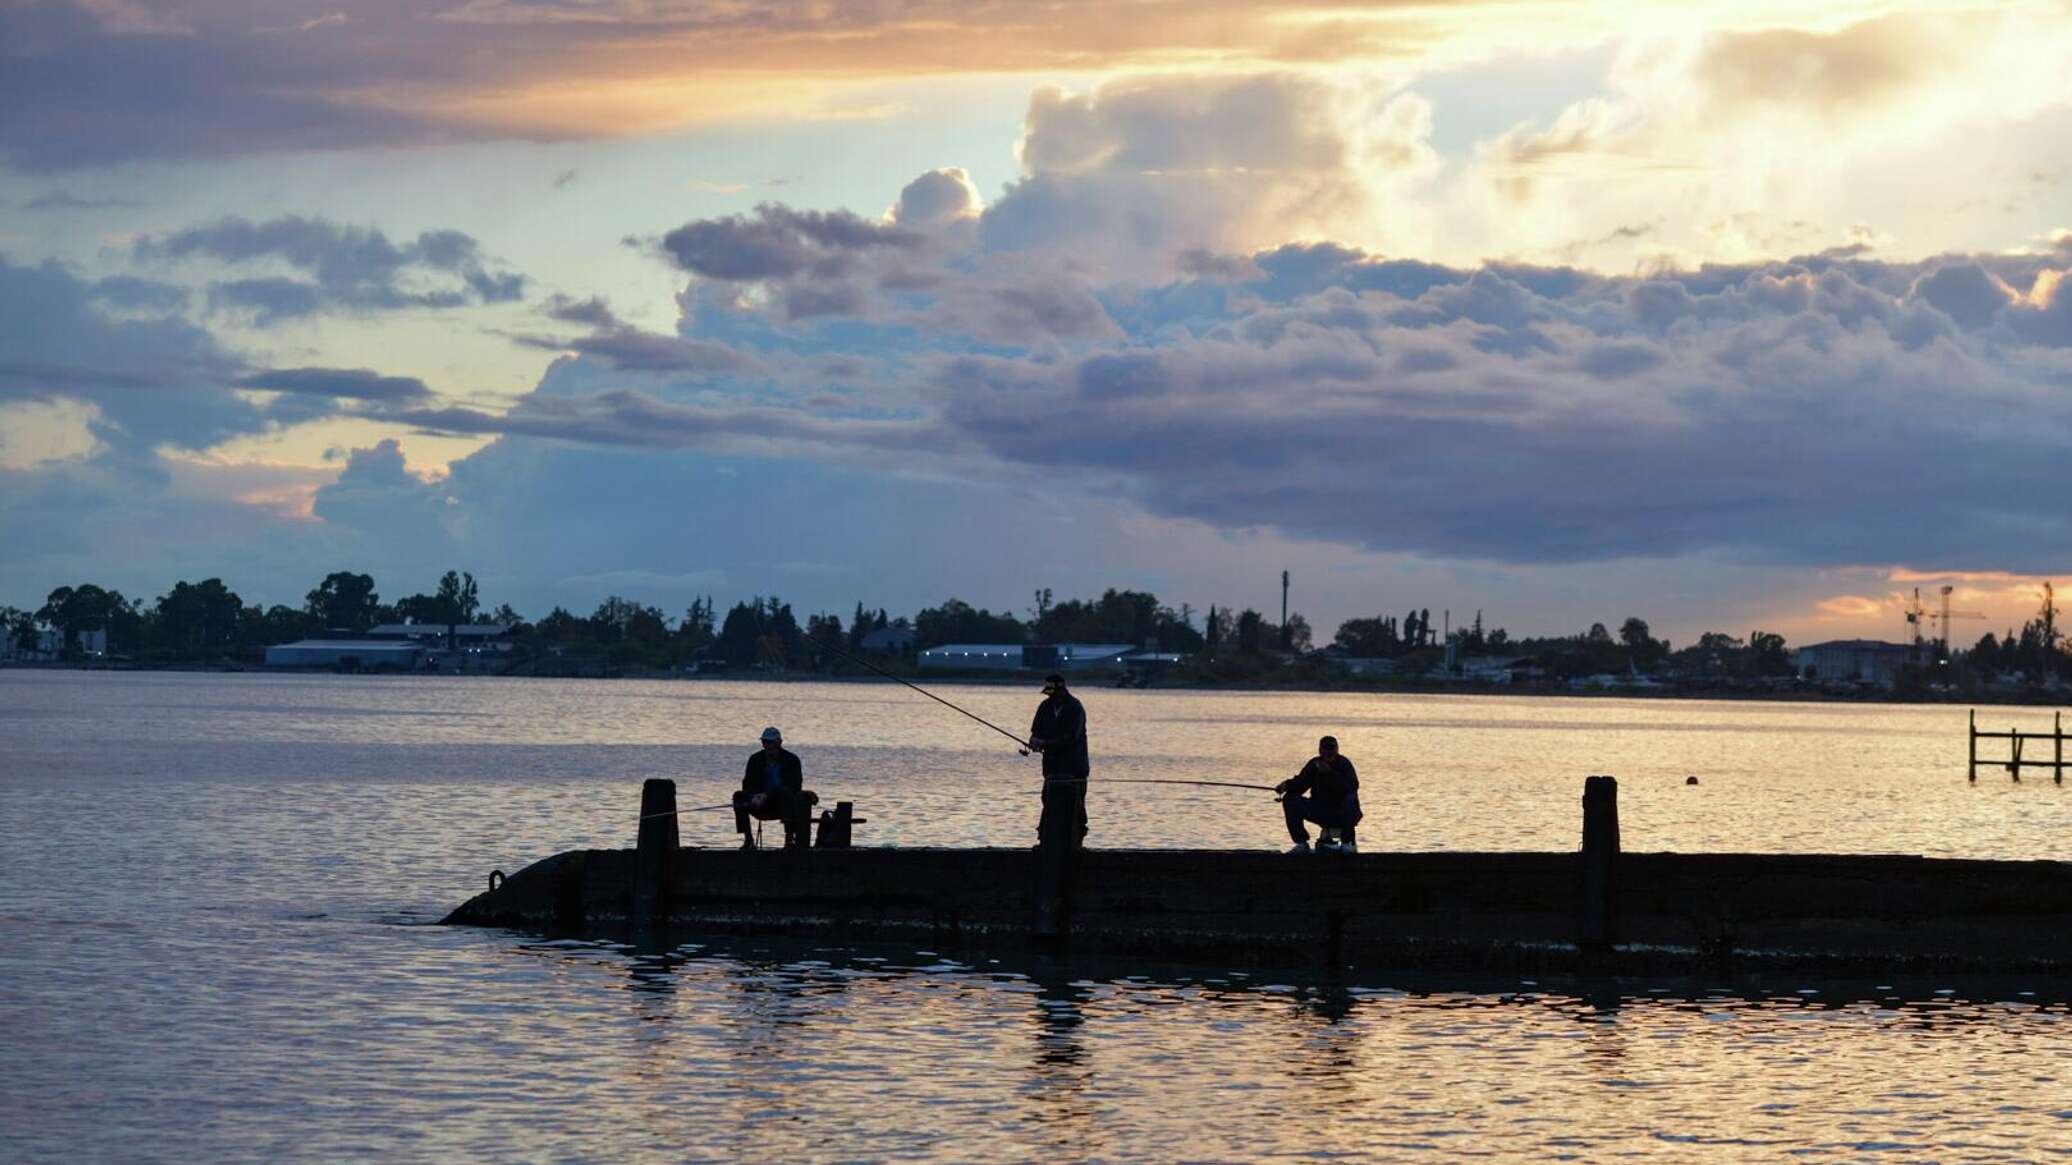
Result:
[
  {"x": 773, "y": 789},
  {"x": 1327, "y": 792},
  {"x": 1059, "y": 733}
]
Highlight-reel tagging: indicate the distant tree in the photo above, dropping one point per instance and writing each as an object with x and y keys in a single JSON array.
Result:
[
  {"x": 19, "y": 627},
  {"x": 561, "y": 627},
  {"x": 276, "y": 624},
  {"x": 956, "y": 621},
  {"x": 457, "y": 598},
  {"x": 73, "y": 611},
  {"x": 1767, "y": 655},
  {"x": 1642, "y": 649},
  {"x": 344, "y": 600},
  {"x": 1984, "y": 656},
  {"x": 1213, "y": 630},
  {"x": 695, "y": 632},
  {"x": 504, "y": 616},
  {"x": 859, "y": 626},
  {"x": 1251, "y": 631},
  {"x": 1370, "y": 638},
  {"x": 824, "y": 637},
  {"x": 199, "y": 620},
  {"x": 762, "y": 633},
  {"x": 1295, "y": 633},
  {"x": 1040, "y": 611}
]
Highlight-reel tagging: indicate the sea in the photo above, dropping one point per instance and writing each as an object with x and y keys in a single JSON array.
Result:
[{"x": 218, "y": 940}]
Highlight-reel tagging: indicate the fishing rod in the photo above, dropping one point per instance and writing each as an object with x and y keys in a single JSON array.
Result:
[
  {"x": 674, "y": 812},
  {"x": 1022, "y": 744}
]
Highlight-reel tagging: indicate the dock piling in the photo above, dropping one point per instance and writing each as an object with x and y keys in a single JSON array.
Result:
[
  {"x": 653, "y": 847},
  {"x": 1599, "y": 920},
  {"x": 2016, "y": 739}
]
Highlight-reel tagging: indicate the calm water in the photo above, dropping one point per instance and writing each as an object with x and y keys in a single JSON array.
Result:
[{"x": 209, "y": 887}]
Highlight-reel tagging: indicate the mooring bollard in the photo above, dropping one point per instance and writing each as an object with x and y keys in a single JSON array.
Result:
[
  {"x": 1599, "y": 923},
  {"x": 653, "y": 848}
]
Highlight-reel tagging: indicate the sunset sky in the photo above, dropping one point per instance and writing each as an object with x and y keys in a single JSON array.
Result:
[{"x": 1724, "y": 315}]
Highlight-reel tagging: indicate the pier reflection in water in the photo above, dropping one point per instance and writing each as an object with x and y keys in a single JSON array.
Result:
[{"x": 769, "y": 1049}]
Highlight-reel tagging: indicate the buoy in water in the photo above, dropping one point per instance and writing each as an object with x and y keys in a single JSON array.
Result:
[{"x": 1690, "y": 780}]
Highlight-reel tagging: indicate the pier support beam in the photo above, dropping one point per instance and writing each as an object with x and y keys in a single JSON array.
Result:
[
  {"x": 1599, "y": 920},
  {"x": 654, "y": 847}
]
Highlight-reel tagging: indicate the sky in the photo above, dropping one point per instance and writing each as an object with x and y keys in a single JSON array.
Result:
[{"x": 1723, "y": 315}]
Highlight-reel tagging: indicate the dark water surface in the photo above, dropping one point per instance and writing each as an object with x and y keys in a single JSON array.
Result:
[{"x": 211, "y": 889}]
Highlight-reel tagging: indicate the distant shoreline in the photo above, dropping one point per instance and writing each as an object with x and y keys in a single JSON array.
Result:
[{"x": 1099, "y": 682}]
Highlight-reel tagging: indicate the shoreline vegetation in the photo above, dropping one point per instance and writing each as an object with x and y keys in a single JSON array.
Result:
[{"x": 206, "y": 626}]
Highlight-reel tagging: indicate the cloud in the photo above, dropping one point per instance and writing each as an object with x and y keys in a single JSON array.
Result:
[
  {"x": 362, "y": 384},
  {"x": 66, "y": 200},
  {"x": 779, "y": 242},
  {"x": 1137, "y": 171},
  {"x": 339, "y": 267},
  {"x": 1764, "y": 412},
  {"x": 151, "y": 381},
  {"x": 120, "y": 83},
  {"x": 937, "y": 198}
]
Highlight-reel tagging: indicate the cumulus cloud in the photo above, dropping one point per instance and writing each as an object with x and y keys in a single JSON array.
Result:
[
  {"x": 938, "y": 198},
  {"x": 1136, "y": 172},
  {"x": 338, "y": 267}
]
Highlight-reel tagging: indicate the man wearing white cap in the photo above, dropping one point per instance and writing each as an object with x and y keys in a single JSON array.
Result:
[{"x": 773, "y": 789}]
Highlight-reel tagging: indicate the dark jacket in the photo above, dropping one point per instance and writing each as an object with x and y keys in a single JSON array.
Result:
[
  {"x": 1060, "y": 726},
  {"x": 755, "y": 779},
  {"x": 1334, "y": 783}
]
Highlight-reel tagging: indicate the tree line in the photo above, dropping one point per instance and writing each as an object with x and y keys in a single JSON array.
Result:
[{"x": 207, "y": 621}]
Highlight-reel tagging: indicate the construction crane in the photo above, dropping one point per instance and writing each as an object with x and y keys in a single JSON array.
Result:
[{"x": 1917, "y": 615}]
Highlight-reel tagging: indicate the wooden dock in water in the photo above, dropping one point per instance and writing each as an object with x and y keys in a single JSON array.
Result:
[
  {"x": 2016, "y": 739},
  {"x": 1597, "y": 909}
]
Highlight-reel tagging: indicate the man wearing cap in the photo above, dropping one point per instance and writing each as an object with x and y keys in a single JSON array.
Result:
[
  {"x": 774, "y": 789},
  {"x": 1327, "y": 792},
  {"x": 1059, "y": 733}
]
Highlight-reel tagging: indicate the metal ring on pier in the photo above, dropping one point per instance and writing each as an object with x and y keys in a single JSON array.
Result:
[{"x": 496, "y": 878}]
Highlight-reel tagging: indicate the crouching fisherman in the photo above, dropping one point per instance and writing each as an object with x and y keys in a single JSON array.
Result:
[
  {"x": 1327, "y": 792},
  {"x": 774, "y": 789}
]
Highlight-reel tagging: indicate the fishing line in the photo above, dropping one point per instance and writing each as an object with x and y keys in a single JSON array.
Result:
[{"x": 1153, "y": 781}]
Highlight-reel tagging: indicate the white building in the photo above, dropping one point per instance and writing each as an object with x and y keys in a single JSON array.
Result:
[{"x": 1843, "y": 661}]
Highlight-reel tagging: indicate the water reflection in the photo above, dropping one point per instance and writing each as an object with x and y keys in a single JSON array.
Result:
[{"x": 1061, "y": 1078}]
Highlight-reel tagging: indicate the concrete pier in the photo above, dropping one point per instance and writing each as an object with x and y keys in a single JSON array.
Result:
[{"x": 1597, "y": 909}]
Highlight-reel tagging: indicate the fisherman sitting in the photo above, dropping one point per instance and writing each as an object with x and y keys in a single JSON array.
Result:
[
  {"x": 773, "y": 789},
  {"x": 1327, "y": 792}
]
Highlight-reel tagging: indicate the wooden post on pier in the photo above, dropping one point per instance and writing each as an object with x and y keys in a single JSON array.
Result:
[
  {"x": 1974, "y": 746},
  {"x": 654, "y": 846},
  {"x": 1599, "y": 922},
  {"x": 2057, "y": 734}
]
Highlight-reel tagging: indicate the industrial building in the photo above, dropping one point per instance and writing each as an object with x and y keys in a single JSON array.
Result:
[
  {"x": 347, "y": 654},
  {"x": 1060, "y": 657}
]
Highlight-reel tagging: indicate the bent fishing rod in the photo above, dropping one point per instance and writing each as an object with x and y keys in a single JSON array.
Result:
[
  {"x": 1024, "y": 745},
  {"x": 1020, "y": 743}
]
